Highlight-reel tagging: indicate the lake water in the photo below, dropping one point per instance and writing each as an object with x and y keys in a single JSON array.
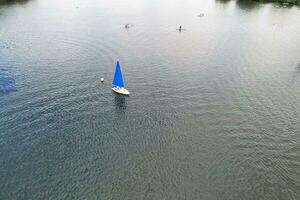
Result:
[{"x": 214, "y": 111}]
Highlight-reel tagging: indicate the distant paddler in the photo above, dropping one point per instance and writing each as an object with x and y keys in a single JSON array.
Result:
[{"x": 180, "y": 28}]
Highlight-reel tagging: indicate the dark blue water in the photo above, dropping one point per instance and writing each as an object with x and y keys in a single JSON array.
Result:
[
  {"x": 7, "y": 82},
  {"x": 214, "y": 111}
]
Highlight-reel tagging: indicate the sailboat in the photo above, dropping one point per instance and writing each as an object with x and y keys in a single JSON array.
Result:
[{"x": 118, "y": 83}]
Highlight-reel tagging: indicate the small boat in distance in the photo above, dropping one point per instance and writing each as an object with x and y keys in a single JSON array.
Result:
[{"x": 118, "y": 82}]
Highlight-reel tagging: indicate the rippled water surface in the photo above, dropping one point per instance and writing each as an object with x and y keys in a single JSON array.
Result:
[{"x": 214, "y": 111}]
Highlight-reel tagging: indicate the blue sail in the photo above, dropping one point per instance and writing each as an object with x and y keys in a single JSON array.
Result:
[{"x": 118, "y": 79}]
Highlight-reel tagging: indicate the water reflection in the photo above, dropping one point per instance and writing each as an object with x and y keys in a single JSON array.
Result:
[
  {"x": 283, "y": 5},
  {"x": 120, "y": 103},
  {"x": 222, "y": 1},
  {"x": 247, "y": 4},
  {"x": 250, "y": 4},
  {"x": 243, "y": 4},
  {"x": 9, "y": 2}
]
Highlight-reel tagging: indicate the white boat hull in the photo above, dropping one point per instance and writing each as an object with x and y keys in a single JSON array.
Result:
[{"x": 120, "y": 90}]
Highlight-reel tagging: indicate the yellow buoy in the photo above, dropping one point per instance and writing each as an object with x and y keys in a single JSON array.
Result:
[{"x": 102, "y": 80}]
